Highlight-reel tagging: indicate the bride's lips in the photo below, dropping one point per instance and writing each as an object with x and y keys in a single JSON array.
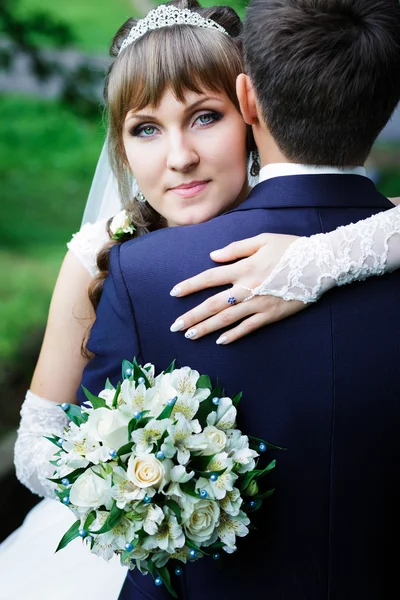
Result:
[{"x": 188, "y": 190}]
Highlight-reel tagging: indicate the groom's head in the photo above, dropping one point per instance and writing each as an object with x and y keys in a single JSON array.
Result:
[{"x": 323, "y": 77}]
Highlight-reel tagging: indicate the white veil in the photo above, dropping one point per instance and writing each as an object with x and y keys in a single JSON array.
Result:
[{"x": 104, "y": 200}]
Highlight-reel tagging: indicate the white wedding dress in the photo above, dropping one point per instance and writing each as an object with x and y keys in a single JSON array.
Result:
[
  {"x": 29, "y": 568},
  {"x": 308, "y": 268}
]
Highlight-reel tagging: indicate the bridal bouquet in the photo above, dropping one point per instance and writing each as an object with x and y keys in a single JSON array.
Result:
[{"x": 157, "y": 470}]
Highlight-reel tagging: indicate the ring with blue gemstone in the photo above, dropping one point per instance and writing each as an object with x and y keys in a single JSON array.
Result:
[{"x": 231, "y": 299}]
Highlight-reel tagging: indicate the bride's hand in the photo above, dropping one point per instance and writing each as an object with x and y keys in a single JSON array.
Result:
[{"x": 259, "y": 256}]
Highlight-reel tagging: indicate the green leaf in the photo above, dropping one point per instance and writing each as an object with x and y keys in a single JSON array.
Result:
[
  {"x": 151, "y": 568},
  {"x": 95, "y": 400},
  {"x": 191, "y": 544},
  {"x": 266, "y": 494},
  {"x": 171, "y": 367},
  {"x": 126, "y": 449},
  {"x": 114, "y": 518},
  {"x": 256, "y": 474},
  {"x": 166, "y": 413},
  {"x": 174, "y": 506},
  {"x": 200, "y": 463},
  {"x": 117, "y": 393},
  {"x": 127, "y": 365},
  {"x": 89, "y": 519},
  {"x": 53, "y": 440},
  {"x": 109, "y": 385},
  {"x": 71, "y": 534},
  {"x": 166, "y": 578},
  {"x": 189, "y": 488},
  {"x": 75, "y": 414},
  {"x": 207, "y": 474},
  {"x": 258, "y": 441},
  {"x": 207, "y": 406},
  {"x": 71, "y": 477},
  {"x": 237, "y": 399},
  {"x": 204, "y": 382},
  {"x": 139, "y": 372}
]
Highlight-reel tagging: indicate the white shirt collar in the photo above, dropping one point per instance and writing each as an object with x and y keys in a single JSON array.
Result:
[{"x": 285, "y": 169}]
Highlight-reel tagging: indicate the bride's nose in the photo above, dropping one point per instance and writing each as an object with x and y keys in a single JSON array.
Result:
[{"x": 181, "y": 154}]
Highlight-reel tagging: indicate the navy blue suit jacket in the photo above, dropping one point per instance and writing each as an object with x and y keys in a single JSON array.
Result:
[{"x": 324, "y": 384}]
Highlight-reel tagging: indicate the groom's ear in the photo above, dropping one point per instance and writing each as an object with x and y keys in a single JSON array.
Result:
[{"x": 247, "y": 99}]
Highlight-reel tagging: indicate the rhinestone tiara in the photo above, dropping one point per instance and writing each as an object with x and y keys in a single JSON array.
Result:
[{"x": 167, "y": 16}]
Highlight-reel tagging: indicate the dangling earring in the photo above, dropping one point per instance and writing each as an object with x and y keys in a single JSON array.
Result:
[
  {"x": 255, "y": 164},
  {"x": 137, "y": 192},
  {"x": 140, "y": 197}
]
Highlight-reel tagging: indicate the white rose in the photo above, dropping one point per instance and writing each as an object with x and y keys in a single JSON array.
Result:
[
  {"x": 216, "y": 440},
  {"x": 121, "y": 222},
  {"x": 90, "y": 490},
  {"x": 147, "y": 471},
  {"x": 108, "y": 396},
  {"x": 108, "y": 426},
  {"x": 202, "y": 522}
]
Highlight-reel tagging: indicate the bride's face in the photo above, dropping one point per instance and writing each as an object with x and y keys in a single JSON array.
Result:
[{"x": 189, "y": 157}]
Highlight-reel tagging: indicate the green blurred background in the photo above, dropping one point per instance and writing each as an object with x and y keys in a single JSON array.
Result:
[{"x": 48, "y": 152}]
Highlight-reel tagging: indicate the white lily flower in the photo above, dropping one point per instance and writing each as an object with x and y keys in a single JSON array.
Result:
[
  {"x": 225, "y": 481},
  {"x": 232, "y": 502},
  {"x": 230, "y": 527},
  {"x": 145, "y": 438},
  {"x": 105, "y": 544},
  {"x": 153, "y": 519},
  {"x": 169, "y": 535},
  {"x": 133, "y": 397},
  {"x": 161, "y": 558},
  {"x": 182, "y": 440},
  {"x": 108, "y": 396},
  {"x": 125, "y": 491},
  {"x": 77, "y": 443},
  {"x": 225, "y": 415}
]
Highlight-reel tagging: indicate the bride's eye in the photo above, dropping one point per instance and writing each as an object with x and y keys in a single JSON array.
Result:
[
  {"x": 208, "y": 118},
  {"x": 144, "y": 131}
]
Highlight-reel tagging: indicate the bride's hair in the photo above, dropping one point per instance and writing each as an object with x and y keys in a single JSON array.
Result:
[{"x": 181, "y": 57}]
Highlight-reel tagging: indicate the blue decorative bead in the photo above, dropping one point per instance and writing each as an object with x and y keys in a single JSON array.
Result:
[
  {"x": 262, "y": 447},
  {"x": 216, "y": 401},
  {"x": 213, "y": 477},
  {"x": 128, "y": 372},
  {"x": 216, "y": 556},
  {"x": 83, "y": 533},
  {"x": 129, "y": 547},
  {"x": 65, "y": 500},
  {"x": 193, "y": 553},
  {"x": 141, "y": 380},
  {"x": 171, "y": 402},
  {"x": 203, "y": 493},
  {"x": 65, "y": 481},
  {"x": 252, "y": 504},
  {"x": 160, "y": 455},
  {"x": 147, "y": 499},
  {"x": 60, "y": 442},
  {"x": 137, "y": 414},
  {"x": 158, "y": 581},
  {"x": 64, "y": 406},
  {"x": 178, "y": 571},
  {"x": 113, "y": 453}
]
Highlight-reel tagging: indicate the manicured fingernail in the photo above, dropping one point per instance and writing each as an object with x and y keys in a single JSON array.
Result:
[
  {"x": 216, "y": 253},
  {"x": 175, "y": 291},
  {"x": 177, "y": 326},
  {"x": 190, "y": 334},
  {"x": 222, "y": 340}
]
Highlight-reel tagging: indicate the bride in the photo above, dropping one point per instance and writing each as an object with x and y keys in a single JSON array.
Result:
[{"x": 61, "y": 361}]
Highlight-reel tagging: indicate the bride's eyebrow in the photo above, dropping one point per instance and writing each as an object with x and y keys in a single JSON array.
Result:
[{"x": 201, "y": 101}]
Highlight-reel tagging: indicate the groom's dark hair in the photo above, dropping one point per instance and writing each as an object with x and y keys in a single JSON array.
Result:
[{"x": 326, "y": 74}]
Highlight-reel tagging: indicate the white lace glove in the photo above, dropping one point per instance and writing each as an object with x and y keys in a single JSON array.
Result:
[
  {"x": 32, "y": 452},
  {"x": 311, "y": 266}
]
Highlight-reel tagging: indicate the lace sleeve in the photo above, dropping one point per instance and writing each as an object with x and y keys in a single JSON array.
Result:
[
  {"x": 311, "y": 266},
  {"x": 32, "y": 452},
  {"x": 86, "y": 244}
]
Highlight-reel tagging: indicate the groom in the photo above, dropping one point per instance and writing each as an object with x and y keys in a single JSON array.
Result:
[{"x": 323, "y": 79}]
